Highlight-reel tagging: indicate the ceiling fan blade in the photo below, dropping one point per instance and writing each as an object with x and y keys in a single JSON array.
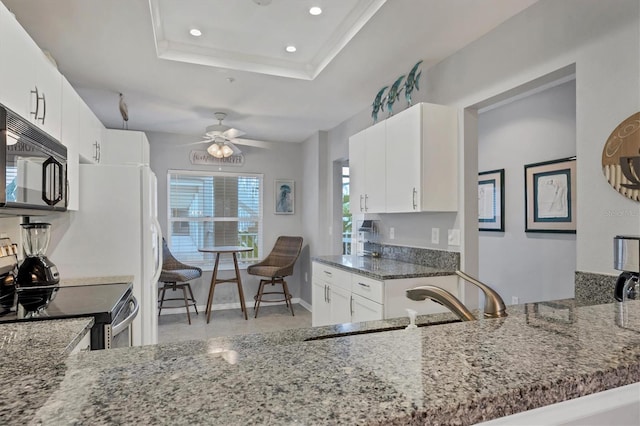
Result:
[
  {"x": 209, "y": 141},
  {"x": 254, "y": 143},
  {"x": 232, "y": 133}
]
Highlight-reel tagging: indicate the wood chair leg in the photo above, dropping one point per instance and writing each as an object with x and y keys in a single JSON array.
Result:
[
  {"x": 163, "y": 291},
  {"x": 186, "y": 302},
  {"x": 258, "y": 297},
  {"x": 193, "y": 299},
  {"x": 287, "y": 296}
]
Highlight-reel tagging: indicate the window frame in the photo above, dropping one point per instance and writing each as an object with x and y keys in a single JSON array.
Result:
[{"x": 226, "y": 262}]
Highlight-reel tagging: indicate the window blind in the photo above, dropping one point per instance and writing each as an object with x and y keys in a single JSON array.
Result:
[{"x": 214, "y": 209}]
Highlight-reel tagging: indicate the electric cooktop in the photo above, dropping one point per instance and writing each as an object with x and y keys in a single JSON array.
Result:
[{"x": 100, "y": 301}]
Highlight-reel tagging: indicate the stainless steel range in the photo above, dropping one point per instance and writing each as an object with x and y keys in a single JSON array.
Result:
[{"x": 112, "y": 306}]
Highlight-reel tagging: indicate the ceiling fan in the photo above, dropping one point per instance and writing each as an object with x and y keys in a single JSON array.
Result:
[
  {"x": 224, "y": 139},
  {"x": 220, "y": 137}
]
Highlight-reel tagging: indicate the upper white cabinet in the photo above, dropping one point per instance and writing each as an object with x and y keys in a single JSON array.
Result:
[
  {"x": 367, "y": 188},
  {"x": 70, "y": 137},
  {"x": 124, "y": 147},
  {"x": 422, "y": 159},
  {"x": 409, "y": 160},
  {"x": 91, "y": 130},
  {"x": 31, "y": 84}
]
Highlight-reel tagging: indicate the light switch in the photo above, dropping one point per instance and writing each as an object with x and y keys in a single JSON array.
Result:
[
  {"x": 453, "y": 237},
  {"x": 435, "y": 235},
  {"x": 392, "y": 233}
]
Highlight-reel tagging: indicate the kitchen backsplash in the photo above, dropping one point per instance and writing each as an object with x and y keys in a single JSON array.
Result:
[
  {"x": 441, "y": 259},
  {"x": 594, "y": 289}
]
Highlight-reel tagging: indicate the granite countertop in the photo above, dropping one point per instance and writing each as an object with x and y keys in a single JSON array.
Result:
[
  {"x": 382, "y": 268},
  {"x": 111, "y": 279},
  {"x": 33, "y": 356},
  {"x": 459, "y": 373}
]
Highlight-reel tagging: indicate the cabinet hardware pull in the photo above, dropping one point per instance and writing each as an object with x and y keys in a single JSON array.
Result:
[
  {"x": 360, "y": 202},
  {"x": 44, "y": 109},
  {"x": 35, "y": 92},
  {"x": 328, "y": 294},
  {"x": 325, "y": 294},
  {"x": 414, "y": 198},
  {"x": 364, "y": 285},
  {"x": 351, "y": 305},
  {"x": 328, "y": 273},
  {"x": 366, "y": 199},
  {"x": 99, "y": 152}
]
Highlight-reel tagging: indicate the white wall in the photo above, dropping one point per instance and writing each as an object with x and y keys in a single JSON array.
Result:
[
  {"x": 283, "y": 160},
  {"x": 601, "y": 39},
  {"x": 541, "y": 127}
]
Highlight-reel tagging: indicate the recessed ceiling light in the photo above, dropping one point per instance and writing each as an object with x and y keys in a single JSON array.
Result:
[
  {"x": 315, "y": 10},
  {"x": 291, "y": 48},
  {"x": 195, "y": 32}
]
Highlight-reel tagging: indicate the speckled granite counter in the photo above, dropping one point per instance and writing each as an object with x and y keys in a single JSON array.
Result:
[
  {"x": 459, "y": 373},
  {"x": 111, "y": 279},
  {"x": 382, "y": 268},
  {"x": 33, "y": 363}
]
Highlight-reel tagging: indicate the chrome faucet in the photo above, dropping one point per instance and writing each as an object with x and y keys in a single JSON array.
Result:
[{"x": 493, "y": 304}]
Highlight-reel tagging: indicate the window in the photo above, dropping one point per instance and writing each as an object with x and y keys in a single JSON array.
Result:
[
  {"x": 214, "y": 209},
  {"x": 346, "y": 213}
]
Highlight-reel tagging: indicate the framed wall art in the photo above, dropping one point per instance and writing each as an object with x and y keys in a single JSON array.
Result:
[
  {"x": 491, "y": 200},
  {"x": 550, "y": 196},
  {"x": 285, "y": 199}
]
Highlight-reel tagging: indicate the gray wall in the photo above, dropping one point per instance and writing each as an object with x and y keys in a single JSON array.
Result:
[
  {"x": 282, "y": 160},
  {"x": 590, "y": 36},
  {"x": 540, "y": 127}
]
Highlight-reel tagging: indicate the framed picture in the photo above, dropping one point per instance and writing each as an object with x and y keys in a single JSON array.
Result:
[
  {"x": 550, "y": 196},
  {"x": 491, "y": 200},
  {"x": 285, "y": 196}
]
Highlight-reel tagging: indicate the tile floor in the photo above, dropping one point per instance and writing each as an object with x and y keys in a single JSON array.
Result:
[{"x": 175, "y": 328}]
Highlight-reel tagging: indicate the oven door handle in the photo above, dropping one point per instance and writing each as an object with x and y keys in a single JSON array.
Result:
[{"x": 128, "y": 320}]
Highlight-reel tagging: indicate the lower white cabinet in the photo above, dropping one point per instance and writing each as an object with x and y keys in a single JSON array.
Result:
[{"x": 342, "y": 297}]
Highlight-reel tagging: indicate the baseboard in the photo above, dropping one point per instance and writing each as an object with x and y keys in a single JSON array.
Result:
[{"x": 235, "y": 305}]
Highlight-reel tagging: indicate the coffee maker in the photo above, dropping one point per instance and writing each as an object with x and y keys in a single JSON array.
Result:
[
  {"x": 38, "y": 279},
  {"x": 626, "y": 258}
]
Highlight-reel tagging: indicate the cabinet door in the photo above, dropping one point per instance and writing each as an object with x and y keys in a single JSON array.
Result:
[
  {"x": 340, "y": 301},
  {"x": 17, "y": 73},
  {"x": 90, "y": 135},
  {"x": 320, "y": 312},
  {"x": 375, "y": 169},
  {"x": 49, "y": 83},
  {"x": 357, "y": 144},
  {"x": 69, "y": 136},
  {"x": 365, "y": 309},
  {"x": 403, "y": 155}
]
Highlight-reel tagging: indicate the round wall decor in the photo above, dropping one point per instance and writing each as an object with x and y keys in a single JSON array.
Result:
[{"x": 621, "y": 158}]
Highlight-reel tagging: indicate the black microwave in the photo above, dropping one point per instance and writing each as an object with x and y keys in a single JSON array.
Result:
[{"x": 33, "y": 168}]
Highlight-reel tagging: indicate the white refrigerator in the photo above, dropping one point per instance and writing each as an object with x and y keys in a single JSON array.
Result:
[{"x": 114, "y": 233}]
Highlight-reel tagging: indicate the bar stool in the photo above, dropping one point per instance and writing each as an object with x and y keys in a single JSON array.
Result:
[
  {"x": 175, "y": 275},
  {"x": 276, "y": 266}
]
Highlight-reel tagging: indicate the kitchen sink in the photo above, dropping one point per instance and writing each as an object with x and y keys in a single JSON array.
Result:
[{"x": 378, "y": 330}]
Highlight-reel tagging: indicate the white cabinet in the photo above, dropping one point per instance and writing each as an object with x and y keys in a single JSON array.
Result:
[
  {"x": 364, "y": 309},
  {"x": 421, "y": 159},
  {"x": 367, "y": 170},
  {"x": 124, "y": 147},
  {"x": 342, "y": 297},
  {"x": 91, "y": 130},
  {"x": 407, "y": 163},
  {"x": 31, "y": 85},
  {"x": 70, "y": 137}
]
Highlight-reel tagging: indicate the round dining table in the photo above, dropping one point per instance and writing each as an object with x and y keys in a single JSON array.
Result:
[{"x": 218, "y": 250}]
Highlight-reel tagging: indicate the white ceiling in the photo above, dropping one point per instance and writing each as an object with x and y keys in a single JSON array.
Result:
[{"x": 239, "y": 65}]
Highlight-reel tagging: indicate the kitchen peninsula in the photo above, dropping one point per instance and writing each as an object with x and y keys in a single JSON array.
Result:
[{"x": 459, "y": 373}]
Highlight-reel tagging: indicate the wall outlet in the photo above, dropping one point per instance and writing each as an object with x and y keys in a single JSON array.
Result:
[
  {"x": 453, "y": 237},
  {"x": 435, "y": 235},
  {"x": 515, "y": 300},
  {"x": 392, "y": 233}
]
